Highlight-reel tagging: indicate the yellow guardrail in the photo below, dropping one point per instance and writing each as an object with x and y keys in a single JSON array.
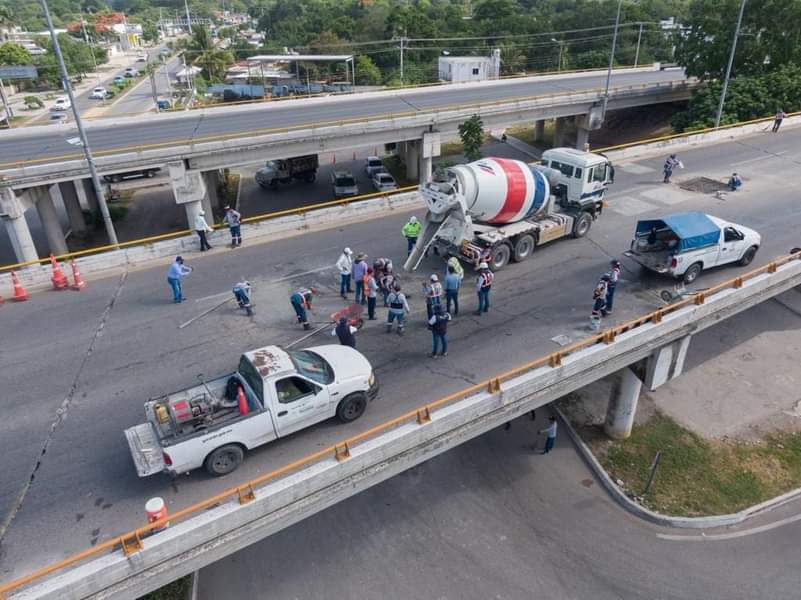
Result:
[
  {"x": 131, "y": 542},
  {"x": 316, "y": 125},
  {"x": 164, "y": 236}
]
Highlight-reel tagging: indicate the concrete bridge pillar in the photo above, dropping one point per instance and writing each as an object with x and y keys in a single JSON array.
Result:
[
  {"x": 12, "y": 213},
  {"x": 559, "y": 131},
  {"x": 622, "y": 405},
  {"x": 412, "y": 159},
  {"x": 189, "y": 189},
  {"x": 69, "y": 196},
  {"x": 430, "y": 147},
  {"x": 47, "y": 214},
  {"x": 211, "y": 199},
  {"x": 539, "y": 130},
  {"x": 582, "y": 133},
  {"x": 87, "y": 190}
]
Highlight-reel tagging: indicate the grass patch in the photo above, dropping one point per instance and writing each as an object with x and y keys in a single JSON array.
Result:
[
  {"x": 525, "y": 133},
  {"x": 697, "y": 477},
  {"x": 177, "y": 590}
]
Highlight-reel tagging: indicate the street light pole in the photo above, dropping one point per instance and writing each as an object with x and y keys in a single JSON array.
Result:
[
  {"x": 402, "y": 40},
  {"x": 637, "y": 52},
  {"x": 188, "y": 19},
  {"x": 611, "y": 61},
  {"x": 561, "y": 47},
  {"x": 728, "y": 67},
  {"x": 90, "y": 161}
]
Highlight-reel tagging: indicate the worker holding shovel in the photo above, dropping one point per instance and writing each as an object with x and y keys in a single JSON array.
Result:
[{"x": 301, "y": 302}]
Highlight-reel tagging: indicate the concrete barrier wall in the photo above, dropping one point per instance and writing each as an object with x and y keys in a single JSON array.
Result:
[
  {"x": 228, "y": 527},
  {"x": 37, "y": 277}
]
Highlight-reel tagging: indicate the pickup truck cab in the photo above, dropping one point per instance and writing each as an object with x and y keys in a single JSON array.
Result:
[
  {"x": 683, "y": 244},
  {"x": 274, "y": 393}
]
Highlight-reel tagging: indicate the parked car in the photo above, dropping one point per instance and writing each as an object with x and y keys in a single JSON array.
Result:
[
  {"x": 62, "y": 103},
  {"x": 344, "y": 184},
  {"x": 163, "y": 104},
  {"x": 131, "y": 72},
  {"x": 373, "y": 164},
  {"x": 99, "y": 93},
  {"x": 117, "y": 177},
  {"x": 384, "y": 182},
  {"x": 119, "y": 80},
  {"x": 141, "y": 57},
  {"x": 59, "y": 118}
]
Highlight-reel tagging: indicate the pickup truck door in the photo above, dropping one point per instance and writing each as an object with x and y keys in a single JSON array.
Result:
[
  {"x": 732, "y": 245},
  {"x": 299, "y": 403}
]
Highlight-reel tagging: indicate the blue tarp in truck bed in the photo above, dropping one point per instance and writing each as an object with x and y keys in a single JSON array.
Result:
[{"x": 694, "y": 229}]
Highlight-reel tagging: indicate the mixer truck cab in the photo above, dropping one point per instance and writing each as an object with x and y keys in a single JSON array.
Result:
[
  {"x": 501, "y": 210},
  {"x": 274, "y": 393}
]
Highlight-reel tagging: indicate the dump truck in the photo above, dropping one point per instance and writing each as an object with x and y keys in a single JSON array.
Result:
[
  {"x": 273, "y": 393},
  {"x": 497, "y": 209},
  {"x": 285, "y": 170}
]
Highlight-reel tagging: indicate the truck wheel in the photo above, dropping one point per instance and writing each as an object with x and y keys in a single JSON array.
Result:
[
  {"x": 351, "y": 407},
  {"x": 748, "y": 256},
  {"x": 582, "y": 225},
  {"x": 692, "y": 273},
  {"x": 310, "y": 177},
  {"x": 500, "y": 257},
  {"x": 116, "y": 178},
  {"x": 224, "y": 460},
  {"x": 524, "y": 246}
]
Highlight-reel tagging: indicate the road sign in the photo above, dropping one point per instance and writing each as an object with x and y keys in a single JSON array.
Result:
[{"x": 18, "y": 72}]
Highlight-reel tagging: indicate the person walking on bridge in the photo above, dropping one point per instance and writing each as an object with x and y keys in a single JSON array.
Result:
[
  {"x": 550, "y": 433},
  {"x": 411, "y": 231},
  {"x": 178, "y": 270},
  {"x": 777, "y": 120},
  {"x": 345, "y": 265},
  {"x": 671, "y": 163},
  {"x": 233, "y": 219},
  {"x": 201, "y": 228},
  {"x": 614, "y": 278}
]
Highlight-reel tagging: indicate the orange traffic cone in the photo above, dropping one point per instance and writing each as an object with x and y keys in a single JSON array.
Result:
[
  {"x": 59, "y": 280},
  {"x": 78, "y": 283},
  {"x": 20, "y": 295}
]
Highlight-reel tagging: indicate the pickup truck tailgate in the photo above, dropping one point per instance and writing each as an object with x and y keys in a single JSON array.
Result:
[{"x": 145, "y": 449}]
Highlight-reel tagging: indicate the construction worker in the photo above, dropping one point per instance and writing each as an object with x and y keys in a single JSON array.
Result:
[
  {"x": 387, "y": 282},
  {"x": 301, "y": 302},
  {"x": 382, "y": 266},
  {"x": 777, "y": 120},
  {"x": 358, "y": 271},
  {"x": 599, "y": 297},
  {"x": 371, "y": 292},
  {"x": 735, "y": 182},
  {"x": 433, "y": 291},
  {"x": 201, "y": 228},
  {"x": 614, "y": 277},
  {"x": 671, "y": 163},
  {"x": 345, "y": 265},
  {"x": 345, "y": 332},
  {"x": 411, "y": 231},
  {"x": 483, "y": 287},
  {"x": 178, "y": 270},
  {"x": 233, "y": 219},
  {"x": 438, "y": 322},
  {"x": 242, "y": 295},
  {"x": 457, "y": 267},
  {"x": 398, "y": 309},
  {"x": 452, "y": 284}
]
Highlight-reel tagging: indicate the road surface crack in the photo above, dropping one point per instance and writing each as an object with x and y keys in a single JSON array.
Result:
[{"x": 62, "y": 411}]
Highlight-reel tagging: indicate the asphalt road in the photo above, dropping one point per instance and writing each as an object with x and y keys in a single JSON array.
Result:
[
  {"x": 77, "y": 367},
  {"x": 492, "y": 519},
  {"x": 31, "y": 144}
]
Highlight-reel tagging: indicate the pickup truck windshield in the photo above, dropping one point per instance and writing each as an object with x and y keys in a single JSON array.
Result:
[
  {"x": 251, "y": 376},
  {"x": 312, "y": 366}
]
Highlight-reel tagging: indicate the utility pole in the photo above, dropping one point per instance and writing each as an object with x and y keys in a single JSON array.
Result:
[
  {"x": 188, "y": 18},
  {"x": 402, "y": 40},
  {"x": 90, "y": 161},
  {"x": 728, "y": 67},
  {"x": 6, "y": 105},
  {"x": 91, "y": 48},
  {"x": 611, "y": 61},
  {"x": 152, "y": 76},
  {"x": 637, "y": 52}
]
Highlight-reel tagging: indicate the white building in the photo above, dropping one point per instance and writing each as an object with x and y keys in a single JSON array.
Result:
[{"x": 458, "y": 69}]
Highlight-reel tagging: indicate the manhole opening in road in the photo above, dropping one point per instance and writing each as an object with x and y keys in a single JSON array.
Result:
[{"x": 703, "y": 185}]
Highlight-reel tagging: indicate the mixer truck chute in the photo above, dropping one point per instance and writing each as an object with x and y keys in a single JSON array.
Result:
[{"x": 498, "y": 209}]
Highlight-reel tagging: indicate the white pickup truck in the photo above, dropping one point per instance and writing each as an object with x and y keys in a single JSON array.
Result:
[
  {"x": 274, "y": 393},
  {"x": 683, "y": 244}
]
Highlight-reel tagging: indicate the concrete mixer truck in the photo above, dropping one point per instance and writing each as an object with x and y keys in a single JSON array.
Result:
[{"x": 498, "y": 209}]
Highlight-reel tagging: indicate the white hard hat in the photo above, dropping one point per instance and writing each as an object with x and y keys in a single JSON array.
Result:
[
  {"x": 434, "y": 278},
  {"x": 483, "y": 266},
  {"x": 202, "y": 213},
  {"x": 413, "y": 219},
  {"x": 348, "y": 251}
]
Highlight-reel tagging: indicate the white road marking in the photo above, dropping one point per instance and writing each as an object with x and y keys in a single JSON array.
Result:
[
  {"x": 757, "y": 159},
  {"x": 274, "y": 281},
  {"x": 729, "y": 536}
]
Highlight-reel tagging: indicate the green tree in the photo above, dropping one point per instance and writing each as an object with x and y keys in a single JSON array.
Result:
[
  {"x": 14, "y": 54},
  {"x": 367, "y": 73},
  {"x": 472, "y": 135}
]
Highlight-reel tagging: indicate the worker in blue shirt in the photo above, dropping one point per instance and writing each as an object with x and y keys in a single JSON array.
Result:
[
  {"x": 301, "y": 302},
  {"x": 452, "y": 284},
  {"x": 178, "y": 270}
]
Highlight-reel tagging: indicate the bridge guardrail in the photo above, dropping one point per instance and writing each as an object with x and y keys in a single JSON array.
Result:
[{"x": 131, "y": 542}]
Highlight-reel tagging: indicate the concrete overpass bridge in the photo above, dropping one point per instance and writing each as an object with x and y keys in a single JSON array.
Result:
[{"x": 39, "y": 163}]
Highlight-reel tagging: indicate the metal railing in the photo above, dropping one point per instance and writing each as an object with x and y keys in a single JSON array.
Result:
[{"x": 131, "y": 542}]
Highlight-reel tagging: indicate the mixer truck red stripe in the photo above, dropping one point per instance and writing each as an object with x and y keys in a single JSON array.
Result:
[{"x": 516, "y": 188}]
